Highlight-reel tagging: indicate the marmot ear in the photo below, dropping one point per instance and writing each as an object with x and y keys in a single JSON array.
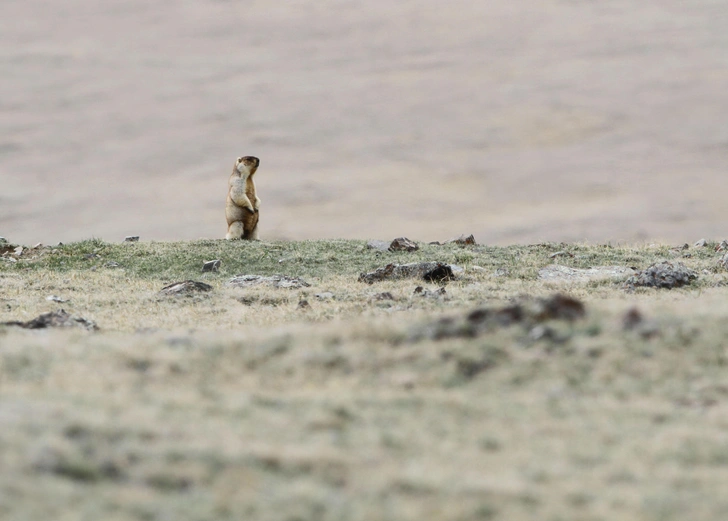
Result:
[{"x": 239, "y": 160}]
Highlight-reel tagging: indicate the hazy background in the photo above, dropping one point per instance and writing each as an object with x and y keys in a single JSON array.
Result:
[{"x": 515, "y": 120}]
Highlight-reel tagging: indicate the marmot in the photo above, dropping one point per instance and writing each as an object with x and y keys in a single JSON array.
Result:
[{"x": 241, "y": 207}]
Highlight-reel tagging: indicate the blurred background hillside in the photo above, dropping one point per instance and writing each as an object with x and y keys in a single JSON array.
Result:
[{"x": 514, "y": 120}]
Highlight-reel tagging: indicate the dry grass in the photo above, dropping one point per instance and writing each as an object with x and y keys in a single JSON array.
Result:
[{"x": 236, "y": 404}]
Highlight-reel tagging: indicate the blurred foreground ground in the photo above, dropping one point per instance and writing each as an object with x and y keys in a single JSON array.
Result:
[{"x": 518, "y": 123}]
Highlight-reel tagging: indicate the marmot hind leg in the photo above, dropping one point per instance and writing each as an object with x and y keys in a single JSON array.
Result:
[
  {"x": 252, "y": 235},
  {"x": 235, "y": 230}
]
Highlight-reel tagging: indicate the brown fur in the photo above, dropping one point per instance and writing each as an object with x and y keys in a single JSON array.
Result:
[{"x": 242, "y": 205}]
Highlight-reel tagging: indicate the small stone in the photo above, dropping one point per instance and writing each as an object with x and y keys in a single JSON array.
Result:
[
  {"x": 55, "y": 298},
  {"x": 303, "y": 304},
  {"x": 702, "y": 243},
  {"x": 426, "y": 293},
  {"x": 403, "y": 244},
  {"x": 18, "y": 251},
  {"x": 463, "y": 240},
  {"x": 54, "y": 319},
  {"x": 631, "y": 319},
  {"x": 213, "y": 265},
  {"x": 385, "y": 295},
  {"x": 663, "y": 274},
  {"x": 38, "y": 245},
  {"x": 276, "y": 281},
  {"x": 131, "y": 238},
  {"x": 722, "y": 246},
  {"x": 326, "y": 295},
  {"x": 185, "y": 287},
  {"x": 561, "y": 254}
]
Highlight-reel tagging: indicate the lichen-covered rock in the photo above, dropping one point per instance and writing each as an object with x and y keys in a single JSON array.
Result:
[
  {"x": 428, "y": 271},
  {"x": 185, "y": 288},
  {"x": 665, "y": 274},
  {"x": 54, "y": 319},
  {"x": 276, "y": 281}
]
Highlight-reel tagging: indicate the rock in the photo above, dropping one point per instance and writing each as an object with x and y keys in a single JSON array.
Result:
[
  {"x": 702, "y": 243},
  {"x": 463, "y": 241},
  {"x": 723, "y": 261},
  {"x": 54, "y": 319},
  {"x": 378, "y": 245},
  {"x": 276, "y": 281},
  {"x": 529, "y": 312},
  {"x": 426, "y": 293},
  {"x": 560, "y": 254},
  {"x": 722, "y": 246},
  {"x": 403, "y": 244},
  {"x": 556, "y": 272},
  {"x": 560, "y": 307},
  {"x": 326, "y": 295},
  {"x": 303, "y": 304},
  {"x": 385, "y": 295},
  {"x": 213, "y": 265},
  {"x": 18, "y": 251},
  {"x": 663, "y": 274},
  {"x": 131, "y": 238},
  {"x": 429, "y": 271},
  {"x": 631, "y": 319},
  {"x": 185, "y": 288},
  {"x": 55, "y": 298}
]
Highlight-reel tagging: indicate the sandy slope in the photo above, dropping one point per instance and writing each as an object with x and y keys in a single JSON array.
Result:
[{"x": 563, "y": 121}]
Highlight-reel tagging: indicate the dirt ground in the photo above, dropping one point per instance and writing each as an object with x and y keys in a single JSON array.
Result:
[{"x": 570, "y": 120}]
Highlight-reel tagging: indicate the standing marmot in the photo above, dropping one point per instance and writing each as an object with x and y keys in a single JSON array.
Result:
[{"x": 241, "y": 207}]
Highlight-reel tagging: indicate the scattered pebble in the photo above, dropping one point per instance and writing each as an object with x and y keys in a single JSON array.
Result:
[
  {"x": 385, "y": 295},
  {"x": 185, "y": 287},
  {"x": 463, "y": 240},
  {"x": 276, "y": 281},
  {"x": 663, "y": 274},
  {"x": 426, "y": 293},
  {"x": 54, "y": 319},
  {"x": 213, "y": 265},
  {"x": 428, "y": 271},
  {"x": 403, "y": 244},
  {"x": 529, "y": 312}
]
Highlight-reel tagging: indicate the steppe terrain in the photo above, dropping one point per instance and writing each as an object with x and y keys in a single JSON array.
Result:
[{"x": 481, "y": 397}]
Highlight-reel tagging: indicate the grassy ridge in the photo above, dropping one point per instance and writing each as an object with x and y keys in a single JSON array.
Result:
[{"x": 240, "y": 404}]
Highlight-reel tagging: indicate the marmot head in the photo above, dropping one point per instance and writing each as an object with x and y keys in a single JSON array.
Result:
[{"x": 247, "y": 164}]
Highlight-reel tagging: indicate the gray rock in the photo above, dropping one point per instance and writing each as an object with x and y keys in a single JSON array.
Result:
[
  {"x": 702, "y": 243},
  {"x": 186, "y": 287},
  {"x": 54, "y": 319},
  {"x": 131, "y": 238},
  {"x": 403, "y": 244},
  {"x": 428, "y": 271},
  {"x": 213, "y": 265},
  {"x": 663, "y": 274},
  {"x": 276, "y": 281},
  {"x": 463, "y": 240}
]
